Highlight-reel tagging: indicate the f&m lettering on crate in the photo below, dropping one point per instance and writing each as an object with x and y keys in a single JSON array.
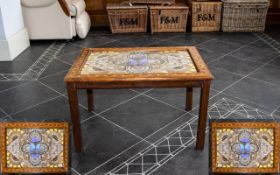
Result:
[
  {"x": 169, "y": 19},
  {"x": 206, "y": 17},
  {"x": 129, "y": 21}
]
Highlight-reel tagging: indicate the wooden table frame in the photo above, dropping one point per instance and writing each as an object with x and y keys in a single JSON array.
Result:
[{"x": 202, "y": 78}]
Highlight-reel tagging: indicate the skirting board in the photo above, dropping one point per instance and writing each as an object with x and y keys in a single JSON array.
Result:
[{"x": 14, "y": 45}]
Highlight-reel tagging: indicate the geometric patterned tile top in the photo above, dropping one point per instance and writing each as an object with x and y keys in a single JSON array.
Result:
[
  {"x": 133, "y": 62},
  {"x": 245, "y": 147},
  {"x": 35, "y": 148}
]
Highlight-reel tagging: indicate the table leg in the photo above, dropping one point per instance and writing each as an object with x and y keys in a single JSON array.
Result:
[
  {"x": 202, "y": 121},
  {"x": 189, "y": 98},
  {"x": 75, "y": 116},
  {"x": 90, "y": 100}
]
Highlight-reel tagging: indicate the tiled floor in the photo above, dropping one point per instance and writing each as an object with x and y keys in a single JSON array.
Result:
[{"x": 145, "y": 131}]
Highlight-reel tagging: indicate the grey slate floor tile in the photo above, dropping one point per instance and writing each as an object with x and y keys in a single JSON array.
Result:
[
  {"x": 4, "y": 85},
  {"x": 220, "y": 46},
  {"x": 268, "y": 73},
  {"x": 256, "y": 54},
  {"x": 275, "y": 62},
  {"x": 235, "y": 65},
  {"x": 69, "y": 57},
  {"x": 54, "y": 67},
  {"x": 53, "y": 110},
  {"x": 142, "y": 115},
  {"x": 24, "y": 96},
  {"x": 102, "y": 141},
  {"x": 176, "y": 96},
  {"x": 261, "y": 93},
  {"x": 223, "y": 79}
]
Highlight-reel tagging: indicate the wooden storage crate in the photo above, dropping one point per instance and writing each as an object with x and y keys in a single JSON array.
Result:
[
  {"x": 244, "y": 15},
  {"x": 153, "y": 2},
  {"x": 124, "y": 18},
  {"x": 169, "y": 18},
  {"x": 205, "y": 15}
]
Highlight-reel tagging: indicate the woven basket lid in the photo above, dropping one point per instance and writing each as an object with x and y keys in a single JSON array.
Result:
[
  {"x": 174, "y": 6},
  {"x": 112, "y": 6},
  {"x": 245, "y": 1}
]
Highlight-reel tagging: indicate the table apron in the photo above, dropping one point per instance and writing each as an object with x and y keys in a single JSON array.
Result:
[{"x": 112, "y": 85}]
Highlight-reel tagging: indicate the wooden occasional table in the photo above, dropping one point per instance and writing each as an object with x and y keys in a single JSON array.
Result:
[{"x": 153, "y": 67}]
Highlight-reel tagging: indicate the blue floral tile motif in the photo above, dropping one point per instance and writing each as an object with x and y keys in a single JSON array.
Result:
[
  {"x": 34, "y": 147},
  {"x": 245, "y": 147}
]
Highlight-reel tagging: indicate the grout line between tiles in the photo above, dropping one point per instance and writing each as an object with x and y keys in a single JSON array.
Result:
[
  {"x": 63, "y": 95},
  {"x": 173, "y": 121},
  {"x": 55, "y": 58},
  {"x": 249, "y": 76},
  {"x": 6, "y": 114},
  {"x": 232, "y": 51},
  {"x": 125, "y": 101},
  {"x": 75, "y": 171},
  {"x": 164, "y": 103},
  {"x": 240, "y": 58},
  {"x": 130, "y": 132},
  {"x": 50, "y": 75},
  {"x": 222, "y": 69},
  {"x": 112, "y": 40},
  {"x": 228, "y": 42},
  {"x": 245, "y": 100},
  {"x": 149, "y": 136},
  {"x": 263, "y": 81},
  {"x": 104, "y": 163},
  {"x": 244, "y": 77},
  {"x": 29, "y": 107},
  {"x": 166, "y": 136},
  {"x": 265, "y": 38},
  {"x": 68, "y": 53},
  {"x": 138, "y": 92},
  {"x": 24, "y": 82}
]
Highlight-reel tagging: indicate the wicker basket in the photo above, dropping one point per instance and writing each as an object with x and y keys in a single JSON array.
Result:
[
  {"x": 205, "y": 16},
  {"x": 244, "y": 15},
  {"x": 169, "y": 18},
  {"x": 124, "y": 18},
  {"x": 152, "y": 1}
]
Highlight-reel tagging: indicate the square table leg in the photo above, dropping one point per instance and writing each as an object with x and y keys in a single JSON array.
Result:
[
  {"x": 90, "y": 99},
  {"x": 75, "y": 116},
  {"x": 189, "y": 98},
  {"x": 202, "y": 121}
]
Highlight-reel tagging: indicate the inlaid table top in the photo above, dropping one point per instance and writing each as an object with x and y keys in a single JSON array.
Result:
[
  {"x": 34, "y": 147},
  {"x": 137, "y": 64},
  {"x": 245, "y": 147}
]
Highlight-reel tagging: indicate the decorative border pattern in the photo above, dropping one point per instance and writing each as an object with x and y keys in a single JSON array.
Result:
[
  {"x": 38, "y": 67},
  {"x": 62, "y": 125},
  {"x": 269, "y": 41},
  {"x": 244, "y": 125},
  {"x": 160, "y": 152},
  {"x": 74, "y": 74},
  {"x": 183, "y": 137}
]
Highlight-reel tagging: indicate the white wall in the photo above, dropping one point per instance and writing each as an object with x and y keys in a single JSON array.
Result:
[
  {"x": 11, "y": 19},
  {"x": 2, "y": 32},
  {"x": 13, "y": 35}
]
